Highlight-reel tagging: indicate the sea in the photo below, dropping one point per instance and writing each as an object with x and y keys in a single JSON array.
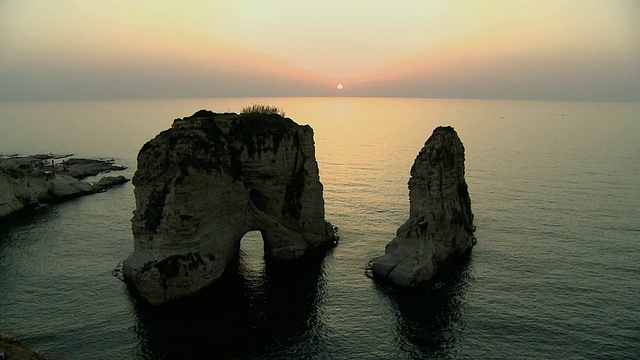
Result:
[{"x": 555, "y": 274}]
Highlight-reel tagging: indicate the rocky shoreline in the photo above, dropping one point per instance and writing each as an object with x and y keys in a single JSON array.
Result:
[{"x": 28, "y": 181}]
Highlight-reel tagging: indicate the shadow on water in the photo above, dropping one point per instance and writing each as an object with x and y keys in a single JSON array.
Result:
[
  {"x": 429, "y": 319},
  {"x": 10, "y": 224},
  {"x": 243, "y": 315},
  {"x": 26, "y": 216}
]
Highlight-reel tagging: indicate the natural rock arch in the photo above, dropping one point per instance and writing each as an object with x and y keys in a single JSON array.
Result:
[
  {"x": 206, "y": 182},
  {"x": 252, "y": 246}
]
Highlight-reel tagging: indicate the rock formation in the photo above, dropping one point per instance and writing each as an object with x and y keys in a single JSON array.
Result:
[
  {"x": 440, "y": 223},
  {"x": 29, "y": 181},
  {"x": 11, "y": 348},
  {"x": 203, "y": 184}
]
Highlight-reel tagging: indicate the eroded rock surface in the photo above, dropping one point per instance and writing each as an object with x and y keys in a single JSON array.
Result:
[
  {"x": 440, "y": 223},
  {"x": 203, "y": 184},
  {"x": 29, "y": 181}
]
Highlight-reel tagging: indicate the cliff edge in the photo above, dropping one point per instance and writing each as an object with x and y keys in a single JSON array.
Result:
[
  {"x": 201, "y": 185},
  {"x": 440, "y": 223}
]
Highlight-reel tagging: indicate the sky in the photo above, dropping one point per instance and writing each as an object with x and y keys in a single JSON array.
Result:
[{"x": 507, "y": 49}]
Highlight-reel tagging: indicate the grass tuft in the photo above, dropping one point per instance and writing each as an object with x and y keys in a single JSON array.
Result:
[{"x": 262, "y": 109}]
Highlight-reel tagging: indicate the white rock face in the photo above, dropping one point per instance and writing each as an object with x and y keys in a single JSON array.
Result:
[
  {"x": 440, "y": 223},
  {"x": 203, "y": 184}
]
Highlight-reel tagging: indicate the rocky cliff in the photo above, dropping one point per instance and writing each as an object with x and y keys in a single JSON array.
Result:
[
  {"x": 26, "y": 182},
  {"x": 203, "y": 184},
  {"x": 440, "y": 223}
]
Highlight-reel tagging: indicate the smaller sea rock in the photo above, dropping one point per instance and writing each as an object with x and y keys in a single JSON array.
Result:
[
  {"x": 108, "y": 182},
  {"x": 440, "y": 223}
]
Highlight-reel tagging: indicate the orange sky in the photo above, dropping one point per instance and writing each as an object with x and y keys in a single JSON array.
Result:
[{"x": 482, "y": 49}]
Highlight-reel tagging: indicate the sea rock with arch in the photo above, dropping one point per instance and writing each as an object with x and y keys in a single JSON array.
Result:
[{"x": 201, "y": 185}]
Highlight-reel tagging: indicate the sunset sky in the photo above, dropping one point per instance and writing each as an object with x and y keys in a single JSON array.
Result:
[{"x": 115, "y": 49}]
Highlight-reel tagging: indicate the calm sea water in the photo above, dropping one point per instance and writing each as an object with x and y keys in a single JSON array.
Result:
[{"x": 555, "y": 189}]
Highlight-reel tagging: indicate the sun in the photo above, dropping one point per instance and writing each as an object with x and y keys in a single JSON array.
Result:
[{"x": 340, "y": 87}]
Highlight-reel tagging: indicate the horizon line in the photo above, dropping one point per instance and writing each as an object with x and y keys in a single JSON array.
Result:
[{"x": 97, "y": 99}]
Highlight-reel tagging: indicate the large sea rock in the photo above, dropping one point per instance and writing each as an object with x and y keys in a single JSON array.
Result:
[
  {"x": 440, "y": 223},
  {"x": 204, "y": 183}
]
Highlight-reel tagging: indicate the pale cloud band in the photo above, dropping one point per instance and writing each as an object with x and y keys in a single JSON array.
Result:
[{"x": 565, "y": 50}]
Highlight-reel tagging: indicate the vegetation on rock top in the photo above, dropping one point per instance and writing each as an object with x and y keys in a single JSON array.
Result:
[{"x": 263, "y": 109}]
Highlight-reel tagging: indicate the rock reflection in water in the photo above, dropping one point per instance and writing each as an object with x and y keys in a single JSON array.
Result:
[
  {"x": 243, "y": 315},
  {"x": 429, "y": 319}
]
